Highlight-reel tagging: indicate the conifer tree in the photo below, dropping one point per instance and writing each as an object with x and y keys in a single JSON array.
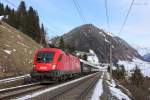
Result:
[
  {"x": 1, "y": 9},
  {"x": 30, "y": 21},
  {"x": 137, "y": 77},
  {"x": 12, "y": 19},
  {"x": 7, "y": 10},
  {"x": 37, "y": 28},
  {"x": 21, "y": 16},
  {"x": 25, "y": 20},
  {"x": 33, "y": 27},
  {"x": 61, "y": 43},
  {"x": 43, "y": 35}
]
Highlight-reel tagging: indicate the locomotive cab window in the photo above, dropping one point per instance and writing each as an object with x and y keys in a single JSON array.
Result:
[
  {"x": 45, "y": 57},
  {"x": 60, "y": 58}
]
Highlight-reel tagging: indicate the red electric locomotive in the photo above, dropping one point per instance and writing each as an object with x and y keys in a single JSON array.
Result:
[{"x": 54, "y": 64}]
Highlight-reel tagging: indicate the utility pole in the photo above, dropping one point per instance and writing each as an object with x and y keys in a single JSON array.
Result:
[{"x": 110, "y": 58}]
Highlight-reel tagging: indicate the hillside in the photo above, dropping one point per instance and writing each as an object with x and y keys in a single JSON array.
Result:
[
  {"x": 16, "y": 50},
  {"x": 88, "y": 37}
]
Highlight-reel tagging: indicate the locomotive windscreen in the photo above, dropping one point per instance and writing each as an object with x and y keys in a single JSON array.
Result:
[{"x": 45, "y": 57}]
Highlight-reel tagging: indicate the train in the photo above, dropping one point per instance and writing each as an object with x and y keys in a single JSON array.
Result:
[{"x": 54, "y": 64}]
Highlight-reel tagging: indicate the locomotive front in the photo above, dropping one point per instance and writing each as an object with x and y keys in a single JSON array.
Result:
[{"x": 45, "y": 64}]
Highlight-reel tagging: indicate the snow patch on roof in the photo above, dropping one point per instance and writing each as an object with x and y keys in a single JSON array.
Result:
[{"x": 142, "y": 65}]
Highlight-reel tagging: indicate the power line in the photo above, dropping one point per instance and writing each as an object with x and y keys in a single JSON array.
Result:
[
  {"x": 122, "y": 27},
  {"x": 47, "y": 26},
  {"x": 77, "y": 6},
  {"x": 81, "y": 10},
  {"x": 11, "y": 3},
  {"x": 107, "y": 16}
]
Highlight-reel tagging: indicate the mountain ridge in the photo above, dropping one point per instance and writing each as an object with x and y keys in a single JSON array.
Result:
[{"x": 88, "y": 37}]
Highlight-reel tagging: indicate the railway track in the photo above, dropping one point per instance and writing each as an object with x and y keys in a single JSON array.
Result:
[
  {"x": 14, "y": 78},
  {"x": 80, "y": 91},
  {"x": 9, "y": 93}
]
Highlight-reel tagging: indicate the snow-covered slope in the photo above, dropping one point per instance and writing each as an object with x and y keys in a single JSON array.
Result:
[
  {"x": 93, "y": 57},
  {"x": 130, "y": 66},
  {"x": 142, "y": 50}
]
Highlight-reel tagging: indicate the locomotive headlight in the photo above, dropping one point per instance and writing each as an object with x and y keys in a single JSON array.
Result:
[{"x": 54, "y": 66}]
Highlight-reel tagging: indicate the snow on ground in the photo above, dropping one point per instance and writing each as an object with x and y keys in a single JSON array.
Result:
[
  {"x": 20, "y": 37},
  {"x": 6, "y": 45},
  {"x": 102, "y": 33},
  {"x": 13, "y": 78},
  {"x": 23, "y": 44},
  {"x": 107, "y": 40},
  {"x": 1, "y": 17},
  {"x": 14, "y": 50},
  {"x": 117, "y": 92},
  {"x": 93, "y": 57},
  {"x": 110, "y": 34},
  {"x": 142, "y": 65},
  {"x": 7, "y": 51},
  {"x": 51, "y": 88},
  {"x": 141, "y": 49},
  {"x": 98, "y": 91}
]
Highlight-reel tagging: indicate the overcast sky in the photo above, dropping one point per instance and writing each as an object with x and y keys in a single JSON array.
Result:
[{"x": 60, "y": 16}]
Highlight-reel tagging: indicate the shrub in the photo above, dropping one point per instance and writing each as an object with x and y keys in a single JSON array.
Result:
[
  {"x": 137, "y": 77},
  {"x": 120, "y": 72}
]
